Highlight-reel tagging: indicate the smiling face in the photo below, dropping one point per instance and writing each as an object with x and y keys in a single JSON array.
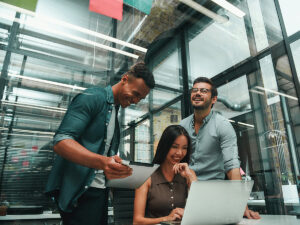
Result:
[
  {"x": 132, "y": 90},
  {"x": 178, "y": 150},
  {"x": 201, "y": 100}
]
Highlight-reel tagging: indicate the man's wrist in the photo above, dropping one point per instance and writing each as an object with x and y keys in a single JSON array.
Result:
[{"x": 102, "y": 162}]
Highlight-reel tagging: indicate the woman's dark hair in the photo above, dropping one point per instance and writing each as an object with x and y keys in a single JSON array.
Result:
[{"x": 166, "y": 141}]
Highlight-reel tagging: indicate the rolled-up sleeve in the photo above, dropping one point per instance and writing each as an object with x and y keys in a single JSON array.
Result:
[
  {"x": 228, "y": 143},
  {"x": 81, "y": 110},
  {"x": 59, "y": 137}
]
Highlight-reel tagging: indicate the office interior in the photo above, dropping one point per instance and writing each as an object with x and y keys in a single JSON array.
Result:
[{"x": 49, "y": 56}]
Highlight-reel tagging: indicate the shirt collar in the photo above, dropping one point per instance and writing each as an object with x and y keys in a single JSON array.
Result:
[
  {"x": 110, "y": 95},
  {"x": 205, "y": 120}
]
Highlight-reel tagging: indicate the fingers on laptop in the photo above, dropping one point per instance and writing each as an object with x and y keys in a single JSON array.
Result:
[
  {"x": 176, "y": 214},
  {"x": 254, "y": 215},
  {"x": 251, "y": 214}
]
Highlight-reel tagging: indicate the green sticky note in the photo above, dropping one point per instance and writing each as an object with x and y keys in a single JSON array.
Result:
[
  {"x": 24, "y": 4},
  {"x": 142, "y": 5}
]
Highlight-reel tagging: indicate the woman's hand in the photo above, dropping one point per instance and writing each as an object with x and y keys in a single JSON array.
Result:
[
  {"x": 184, "y": 170},
  {"x": 175, "y": 214}
]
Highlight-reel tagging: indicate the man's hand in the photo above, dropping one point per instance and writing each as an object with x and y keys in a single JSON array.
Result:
[
  {"x": 251, "y": 214},
  {"x": 113, "y": 168}
]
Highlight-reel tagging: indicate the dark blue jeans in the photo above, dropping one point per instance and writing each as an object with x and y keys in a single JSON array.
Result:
[{"x": 90, "y": 210}]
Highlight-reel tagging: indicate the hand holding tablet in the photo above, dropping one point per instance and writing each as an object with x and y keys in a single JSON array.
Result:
[{"x": 140, "y": 173}]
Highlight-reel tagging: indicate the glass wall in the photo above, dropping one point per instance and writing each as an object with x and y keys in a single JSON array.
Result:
[
  {"x": 295, "y": 47},
  {"x": 247, "y": 59},
  {"x": 289, "y": 10},
  {"x": 209, "y": 53},
  {"x": 47, "y": 58}
]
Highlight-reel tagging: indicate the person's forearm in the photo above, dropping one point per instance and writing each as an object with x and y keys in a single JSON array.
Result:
[
  {"x": 234, "y": 174},
  {"x": 144, "y": 220},
  {"x": 75, "y": 152},
  {"x": 192, "y": 177}
]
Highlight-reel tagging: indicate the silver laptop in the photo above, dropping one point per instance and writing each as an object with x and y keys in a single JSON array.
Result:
[{"x": 216, "y": 202}]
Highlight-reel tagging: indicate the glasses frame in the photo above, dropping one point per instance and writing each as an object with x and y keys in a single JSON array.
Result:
[{"x": 204, "y": 91}]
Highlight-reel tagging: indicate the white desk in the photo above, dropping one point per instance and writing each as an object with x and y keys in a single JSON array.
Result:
[
  {"x": 30, "y": 217},
  {"x": 263, "y": 203},
  {"x": 257, "y": 202},
  {"x": 272, "y": 220}
]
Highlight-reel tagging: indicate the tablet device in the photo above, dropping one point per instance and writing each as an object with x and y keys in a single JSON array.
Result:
[{"x": 140, "y": 173}]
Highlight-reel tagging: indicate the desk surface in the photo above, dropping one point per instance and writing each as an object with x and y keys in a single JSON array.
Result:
[
  {"x": 265, "y": 219},
  {"x": 30, "y": 217},
  {"x": 263, "y": 203},
  {"x": 272, "y": 220}
]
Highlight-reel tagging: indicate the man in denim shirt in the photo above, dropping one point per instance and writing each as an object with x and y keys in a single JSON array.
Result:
[
  {"x": 214, "y": 142},
  {"x": 87, "y": 143}
]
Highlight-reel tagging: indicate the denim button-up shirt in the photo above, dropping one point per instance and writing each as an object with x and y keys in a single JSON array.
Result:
[
  {"x": 86, "y": 122},
  {"x": 214, "y": 148}
]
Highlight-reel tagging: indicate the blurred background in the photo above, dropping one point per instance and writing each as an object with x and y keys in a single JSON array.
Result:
[{"x": 61, "y": 48}]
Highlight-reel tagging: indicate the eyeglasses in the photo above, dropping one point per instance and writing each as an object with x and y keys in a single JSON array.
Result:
[{"x": 202, "y": 90}]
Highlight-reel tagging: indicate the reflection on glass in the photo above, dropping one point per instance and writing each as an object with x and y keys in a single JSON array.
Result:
[
  {"x": 134, "y": 112},
  {"x": 142, "y": 143},
  {"x": 258, "y": 25},
  {"x": 2, "y": 55},
  {"x": 167, "y": 71},
  {"x": 268, "y": 79},
  {"x": 274, "y": 139},
  {"x": 270, "y": 19},
  {"x": 233, "y": 98},
  {"x": 160, "y": 97},
  {"x": 295, "y": 47},
  {"x": 290, "y": 13},
  {"x": 164, "y": 118},
  {"x": 210, "y": 54}
]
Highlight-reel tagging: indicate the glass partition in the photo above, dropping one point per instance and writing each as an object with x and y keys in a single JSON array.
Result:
[
  {"x": 209, "y": 53},
  {"x": 289, "y": 10},
  {"x": 295, "y": 48},
  {"x": 168, "y": 116},
  {"x": 142, "y": 143},
  {"x": 46, "y": 59}
]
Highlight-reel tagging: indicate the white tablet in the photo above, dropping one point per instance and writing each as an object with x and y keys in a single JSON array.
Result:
[{"x": 140, "y": 173}]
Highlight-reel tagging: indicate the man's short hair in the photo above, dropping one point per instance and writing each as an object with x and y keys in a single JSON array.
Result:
[
  {"x": 214, "y": 91},
  {"x": 140, "y": 70}
]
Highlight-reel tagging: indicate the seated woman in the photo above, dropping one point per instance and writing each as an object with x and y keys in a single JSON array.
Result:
[{"x": 162, "y": 197}]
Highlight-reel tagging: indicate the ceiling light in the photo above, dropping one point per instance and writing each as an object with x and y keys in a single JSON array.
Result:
[
  {"x": 231, "y": 8},
  {"x": 30, "y": 135},
  {"x": 246, "y": 124},
  {"x": 92, "y": 43},
  {"x": 96, "y": 34},
  {"x": 241, "y": 123},
  {"x": 29, "y": 131},
  {"x": 47, "y": 81},
  {"x": 74, "y": 27},
  {"x": 204, "y": 11},
  {"x": 31, "y": 106},
  {"x": 276, "y": 92},
  {"x": 257, "y": 92}
]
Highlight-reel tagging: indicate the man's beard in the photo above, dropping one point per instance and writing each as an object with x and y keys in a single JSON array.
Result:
[{"x": 206, "y": 105}]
